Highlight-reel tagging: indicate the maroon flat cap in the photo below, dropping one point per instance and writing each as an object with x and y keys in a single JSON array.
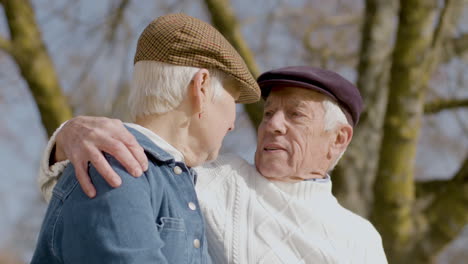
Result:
[{"x": 323, "y": 81}]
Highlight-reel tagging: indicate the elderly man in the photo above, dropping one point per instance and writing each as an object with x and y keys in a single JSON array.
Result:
[
  {"x": 186, "y": 80},
  {"x": 282, "y": 210}
]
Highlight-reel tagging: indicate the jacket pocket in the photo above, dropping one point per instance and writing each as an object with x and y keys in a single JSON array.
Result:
[
  {"x": 171, "y": 223},
  {"x": 173, "y": 233}
]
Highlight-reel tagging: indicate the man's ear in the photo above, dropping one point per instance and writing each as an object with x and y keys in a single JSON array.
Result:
[
  {"x": 199, "y": 90},
  {"x": 342, "y": 138}
]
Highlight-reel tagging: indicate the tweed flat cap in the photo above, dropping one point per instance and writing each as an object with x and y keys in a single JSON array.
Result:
[
  {"x": 186, "y": 41},
  {"x": 323, "y": 81}
]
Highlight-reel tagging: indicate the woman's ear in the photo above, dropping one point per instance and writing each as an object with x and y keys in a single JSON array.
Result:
[{"x": 199, "y": 90}]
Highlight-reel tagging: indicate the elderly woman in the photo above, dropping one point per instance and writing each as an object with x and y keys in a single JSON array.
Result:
[
  {"x": 282, "y": 210},
  {"x": 186, "y": 81}
]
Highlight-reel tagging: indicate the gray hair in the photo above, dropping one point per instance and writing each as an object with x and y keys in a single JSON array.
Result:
[
  {"x": 333, "y": 117},
  {"x": 159, "y": 87}
]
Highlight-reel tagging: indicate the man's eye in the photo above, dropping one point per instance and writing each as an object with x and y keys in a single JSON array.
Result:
[
  {"x": 268, "y": 114},
  {"x": 296, "y": 114}
]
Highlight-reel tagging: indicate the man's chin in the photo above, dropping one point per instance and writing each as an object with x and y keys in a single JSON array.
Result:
[{"x": 270, "y": 172}]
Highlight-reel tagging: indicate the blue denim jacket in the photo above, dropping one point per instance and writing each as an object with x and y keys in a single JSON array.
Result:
[{"x": 155, "y": 218}]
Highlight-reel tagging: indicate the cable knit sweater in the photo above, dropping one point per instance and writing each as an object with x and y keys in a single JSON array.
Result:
[{"x": 253, "y": 220}]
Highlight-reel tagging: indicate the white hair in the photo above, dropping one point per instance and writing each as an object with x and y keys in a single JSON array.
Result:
[
  {"x": 160, "y": 87},
  {"x": 333, "y": 117}
]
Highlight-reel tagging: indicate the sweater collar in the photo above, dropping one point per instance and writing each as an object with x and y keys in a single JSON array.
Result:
[{"x": 303, "y": 190}]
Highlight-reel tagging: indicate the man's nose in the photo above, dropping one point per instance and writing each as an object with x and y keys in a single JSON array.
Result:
[{"x": 276, "y": 123}]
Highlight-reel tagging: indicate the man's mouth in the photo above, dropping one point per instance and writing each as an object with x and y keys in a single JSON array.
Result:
[{"x": 273, "y": 148}]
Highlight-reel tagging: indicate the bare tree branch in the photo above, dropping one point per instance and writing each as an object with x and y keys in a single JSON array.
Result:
[
  {"x": 272, "y": 14},
  {"x": 442, "y": 30},
  {"x": 225, "y": 21},
  {"x": 446, "y": 216},
  {"x": 434, "y": 187},
  {"x": 462, "y": 124},
  {"x": 324, "y": 51},
  {"x": 430, "y": 188},
  {"x": 6, "y": 45},
  {"x": 89, "y": 63},
  {"x": 460, "y": 44},
  {"x": 462, "y": 174},
  {"x": 116, "y": 19},
  {"x": 455, "y": 47},
  {"x": 61, "y": 11},
  {"x": 442, "y": 24},
  {"x": 35, "y": 64},
  {"x": 444, "y": 104}
]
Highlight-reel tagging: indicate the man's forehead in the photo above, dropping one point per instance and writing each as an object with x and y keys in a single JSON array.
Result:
[{"x": 293, "y": 95}]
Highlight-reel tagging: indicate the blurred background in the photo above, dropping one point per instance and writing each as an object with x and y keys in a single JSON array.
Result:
[{"x": 406, "y": 169}]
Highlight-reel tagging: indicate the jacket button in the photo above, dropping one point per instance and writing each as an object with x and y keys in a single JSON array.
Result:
[
  {"x": 196, "y": 243},
  {"x": 177, "y": 170},
  {"x": 192, "y": 206}
]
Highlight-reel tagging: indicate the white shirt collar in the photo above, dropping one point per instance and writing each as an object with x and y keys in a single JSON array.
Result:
[{"x": 159, "y": 141}]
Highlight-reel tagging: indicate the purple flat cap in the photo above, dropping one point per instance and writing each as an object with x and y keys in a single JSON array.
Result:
[{"x": 323, "y": 81}]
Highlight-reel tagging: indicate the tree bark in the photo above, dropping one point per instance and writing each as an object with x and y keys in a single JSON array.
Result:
[
  {"x": 444, "y": 104},
  {"x": 394, "y": 186},
  {"x": 225, "y": 21},
  {"x": 354, "y": 176},
  {"x": 29, "y": 52},
  {"x": 460, "y": 44}
]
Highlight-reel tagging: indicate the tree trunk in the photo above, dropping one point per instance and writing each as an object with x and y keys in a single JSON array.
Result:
[
  {"x": 28, "y": 50},
  {"x": 354, "y": 176},
  {"x": 394, "y": 185},
  {"x": 225, "y": 21}
]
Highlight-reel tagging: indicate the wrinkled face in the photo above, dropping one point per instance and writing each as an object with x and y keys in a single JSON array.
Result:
[
  {"x": 292, "y": 144},
  {"x": 219, "y": 116}
]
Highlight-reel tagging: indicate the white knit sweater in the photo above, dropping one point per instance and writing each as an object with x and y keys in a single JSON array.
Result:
[{"x": 253, "y": 220}]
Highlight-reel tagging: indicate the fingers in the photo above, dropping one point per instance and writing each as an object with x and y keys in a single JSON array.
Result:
[
  {"x": 81, "y": 138},
  {"x": 139, "y": 154},
  {"x": 91, "y": 135},
  {"x": 136, "y": 150},
  {"x": 81, "y": 171},
  {"x": 105, "y": 170},
  {"x": 121, "y": 153},
  {"x": 102, "y": 166},
  {"x": 85, "y": 138}
]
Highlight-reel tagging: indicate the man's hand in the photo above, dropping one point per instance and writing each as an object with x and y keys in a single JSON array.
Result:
[{"x": 82, "y": 140}]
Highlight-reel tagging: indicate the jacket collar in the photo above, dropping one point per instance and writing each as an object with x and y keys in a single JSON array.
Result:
[{"x": 151, "y": 148}]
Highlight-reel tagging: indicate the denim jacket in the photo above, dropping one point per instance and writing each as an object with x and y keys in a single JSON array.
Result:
[{"x": 155, "y": 218}]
